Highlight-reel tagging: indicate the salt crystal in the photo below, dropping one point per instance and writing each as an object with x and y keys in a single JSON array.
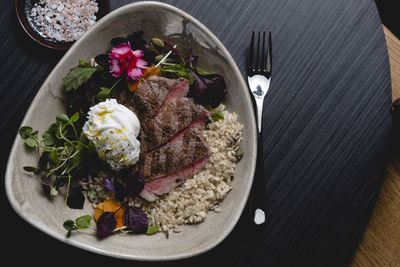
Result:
[
  {"x": 48, "y": 19},
  {"x": 64, "y": 20}
]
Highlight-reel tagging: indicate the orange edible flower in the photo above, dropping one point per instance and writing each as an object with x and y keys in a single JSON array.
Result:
[
  {"x": 133, "y": 84},
  {"x": 110, "y": 206}
]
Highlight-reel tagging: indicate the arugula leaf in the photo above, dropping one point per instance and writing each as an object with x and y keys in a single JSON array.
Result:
[
  {"x": 178, "y": 70},
  {"x": 79, "y": 75}
]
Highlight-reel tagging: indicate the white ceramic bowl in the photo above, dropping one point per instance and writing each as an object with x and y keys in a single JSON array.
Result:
[{"x": 164, "y": 21}]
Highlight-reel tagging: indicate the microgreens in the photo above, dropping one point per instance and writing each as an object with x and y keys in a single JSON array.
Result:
[
  {"x": 81, "y": 223},
  {"x": 62, "y": 145}
]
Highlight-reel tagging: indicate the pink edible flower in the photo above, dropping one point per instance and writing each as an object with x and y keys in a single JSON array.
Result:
[{"x": 123, "y": 58}]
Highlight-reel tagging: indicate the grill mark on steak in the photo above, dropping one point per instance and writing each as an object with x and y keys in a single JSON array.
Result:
[
  {"x": 173, "y": 148},
  {"x": 183, "y": 150},
  {"x": 151, "y": 95},
  {"x": 176, "y": 116}
]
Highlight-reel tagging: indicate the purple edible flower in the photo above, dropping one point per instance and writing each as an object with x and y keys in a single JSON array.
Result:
[
  {"x": 106, "y": 224},
  {"x": 108, "y": 185},
  {"x": 136, "y": 219}
]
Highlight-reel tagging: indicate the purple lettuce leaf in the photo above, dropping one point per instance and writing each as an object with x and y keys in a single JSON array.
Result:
[
  {"x": 106, "y": 224},
  {"x": 208, "y": 89},
  {"x": 135, "y": 219}
]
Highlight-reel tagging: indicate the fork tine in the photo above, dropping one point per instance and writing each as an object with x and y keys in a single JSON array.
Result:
[
  {"x": 258, "y": 52},
  {"x": 250, "y": 64},
  {"x": 263, "y": 65},
  {"x": 269, "y": 56}
]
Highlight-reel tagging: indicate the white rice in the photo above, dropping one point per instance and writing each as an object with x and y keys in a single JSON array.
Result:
[{"x": 190, "y": 202}]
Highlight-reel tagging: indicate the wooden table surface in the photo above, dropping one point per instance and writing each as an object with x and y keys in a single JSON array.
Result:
[{"x": 381, "y": 242}]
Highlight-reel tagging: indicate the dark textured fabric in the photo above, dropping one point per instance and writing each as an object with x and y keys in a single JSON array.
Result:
[{"x": 326, "y": 129}]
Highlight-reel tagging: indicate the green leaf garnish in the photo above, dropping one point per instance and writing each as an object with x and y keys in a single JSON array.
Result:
[
  {"x": 29, "y": 136},
  {"x": 48, "y": 138},
  {"x": 152, "y": 229},
  {"x": 31, "y": 142},
  {"x": 69, "y": 225},
  {"x": 79, "y": 75},
  {"x": 74, "y": 118},
  {"x": 217, "y": 116},
  {"x": 83, "y": 63},
  {"x": 83, "y": 222},
  {"x": 62, "y": 118},
  {"x": 25, "y": 132},
  {"x": 177, "y": 70},
  {"x": 62, "y": 145},
  {"x": 104, "y": 93}
]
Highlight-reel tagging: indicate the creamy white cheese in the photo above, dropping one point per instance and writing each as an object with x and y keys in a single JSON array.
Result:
[{"x": 114, "y": 129}]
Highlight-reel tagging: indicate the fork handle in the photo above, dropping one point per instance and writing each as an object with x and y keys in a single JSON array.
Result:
[{"x": 258, "y": 200}]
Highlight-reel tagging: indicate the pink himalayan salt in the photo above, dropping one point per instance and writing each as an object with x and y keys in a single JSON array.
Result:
[{"x": 64, "y": 20}]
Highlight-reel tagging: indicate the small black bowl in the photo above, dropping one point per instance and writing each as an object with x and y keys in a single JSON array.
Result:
[{"x": 29, "y": 28}]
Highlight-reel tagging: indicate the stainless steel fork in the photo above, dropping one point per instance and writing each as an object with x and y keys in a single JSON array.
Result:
[{"x": 258, "y": 78}]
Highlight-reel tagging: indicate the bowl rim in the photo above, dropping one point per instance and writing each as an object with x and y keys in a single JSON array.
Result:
[
  {"x": 252, "y": 135},
  {"x": 20, "y": 13}
]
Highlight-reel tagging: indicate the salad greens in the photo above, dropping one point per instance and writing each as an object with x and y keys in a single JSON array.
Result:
[
  {"x": 79, "y": 75},
  {"x": 81, "y": 223},
  {"x": 61, "y": 145},
  {"x": 68, "y": 158}
]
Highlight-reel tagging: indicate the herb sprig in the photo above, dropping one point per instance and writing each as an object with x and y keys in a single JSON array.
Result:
[{"x": 61, "y": 145}]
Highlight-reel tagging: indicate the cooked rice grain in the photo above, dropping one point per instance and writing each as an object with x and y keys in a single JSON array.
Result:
[{"x": 190, "y": 202}]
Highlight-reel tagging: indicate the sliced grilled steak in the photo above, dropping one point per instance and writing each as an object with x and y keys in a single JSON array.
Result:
[
  {"x": 173, "y": 148},
  {"x": 176, "y": 116},
  {"x": 153, "y": 189},
  {"x": 151, "y": 95},
  {"x": 184, "y": 149}
]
